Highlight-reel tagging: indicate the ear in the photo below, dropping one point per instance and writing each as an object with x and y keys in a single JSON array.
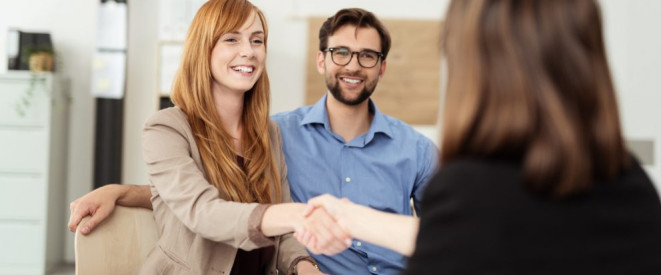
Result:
[
  {"x": 321, "y": 65},
  {"x": 382, "y": 68}
]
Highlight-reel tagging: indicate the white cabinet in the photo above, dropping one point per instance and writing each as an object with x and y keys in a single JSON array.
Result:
[{"x": 33, "y": 146}]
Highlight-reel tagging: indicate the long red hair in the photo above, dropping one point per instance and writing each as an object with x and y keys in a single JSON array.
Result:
[{"x": 259, "y": 179}]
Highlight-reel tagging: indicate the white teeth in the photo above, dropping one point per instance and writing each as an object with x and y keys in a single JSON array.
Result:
[
  {"x": 242, "y": 69},
  {"x": 352, "y": 81}
]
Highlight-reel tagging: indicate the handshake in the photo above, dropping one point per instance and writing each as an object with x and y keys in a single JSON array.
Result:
[{"x": 327, "y": 225}]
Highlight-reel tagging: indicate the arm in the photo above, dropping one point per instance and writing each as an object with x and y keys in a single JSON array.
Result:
[
  {"x": 427, "y": 166},
  {"x": 176, "y": 174},
  {"x": 101, "y": 202},
  {"x": 392, "y": 231}
]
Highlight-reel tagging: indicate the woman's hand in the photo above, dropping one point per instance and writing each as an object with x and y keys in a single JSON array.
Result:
[
  {"x": 321, "y": 234},
  {"x": 325, "y": 232}
]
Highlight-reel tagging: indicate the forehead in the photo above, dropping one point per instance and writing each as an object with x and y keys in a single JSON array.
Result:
[
  {"x": 252, "y": 24},
  {"x": 356, "y": 38}
]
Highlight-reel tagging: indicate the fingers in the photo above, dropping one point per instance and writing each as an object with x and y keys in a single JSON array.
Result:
[
  {"x": 97, "y": 217},
  {"x": 77, "y": 214},
  {"x": 323, "y": 235}
]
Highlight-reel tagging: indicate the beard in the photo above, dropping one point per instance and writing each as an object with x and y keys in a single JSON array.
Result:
[{"x": 336, "y": 91}]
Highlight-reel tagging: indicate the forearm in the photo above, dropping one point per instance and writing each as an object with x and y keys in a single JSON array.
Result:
[
  {"x": 282, "y": 218},
  {"x": 132, "y": 195},
  {"x": 393, "y": 231}
]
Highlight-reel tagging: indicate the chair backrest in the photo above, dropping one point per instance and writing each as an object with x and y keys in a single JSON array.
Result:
[{"x": 119, "y": 245}]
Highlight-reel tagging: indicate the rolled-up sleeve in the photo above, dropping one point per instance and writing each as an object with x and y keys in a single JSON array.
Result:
[{"x": 181, "y": 184}]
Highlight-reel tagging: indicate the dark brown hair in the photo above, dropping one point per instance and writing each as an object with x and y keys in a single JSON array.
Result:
[
  {"x": 530, "y": 80},
  {"x": 354, "y": 17}
]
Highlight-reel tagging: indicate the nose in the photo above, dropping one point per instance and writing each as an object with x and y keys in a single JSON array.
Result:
[
  {"x": 353, "y": 63},
  {"x": 246, "y": 49}
]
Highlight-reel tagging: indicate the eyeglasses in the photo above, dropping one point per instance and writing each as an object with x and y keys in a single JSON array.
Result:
[{"x": 342, "y": 56}]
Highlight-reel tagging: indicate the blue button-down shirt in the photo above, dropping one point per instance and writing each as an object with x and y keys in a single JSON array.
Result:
[{"x": 383, "y": 169}]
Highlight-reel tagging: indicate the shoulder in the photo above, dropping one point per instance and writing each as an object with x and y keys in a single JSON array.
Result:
[
  {"x": 291, "y": 118},
  {"x": 169, "y": 116},
  {"x": 170, "y": 120},
  {"x": 477, "y": 177},
  {"x": 406, "y": 133}
]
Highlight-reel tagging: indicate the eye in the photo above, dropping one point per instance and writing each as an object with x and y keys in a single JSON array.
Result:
[
  {"x": 342, "y": 51},
  {"x": 367, "y": 55},
  {"x": 230, "y": 39},
  {"x": 258, "y": 41}
]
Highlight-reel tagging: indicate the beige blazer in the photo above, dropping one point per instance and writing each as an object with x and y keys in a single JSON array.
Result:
[{"x": 199, "y": 231}]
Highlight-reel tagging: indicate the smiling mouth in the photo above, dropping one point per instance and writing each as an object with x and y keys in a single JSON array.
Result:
[
  {"x": 351, "y": 80},
  {"x": 243, "y": 69}
]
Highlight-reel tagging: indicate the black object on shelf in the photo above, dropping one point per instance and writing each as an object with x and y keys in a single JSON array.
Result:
[{"x": 20, "y": 45}]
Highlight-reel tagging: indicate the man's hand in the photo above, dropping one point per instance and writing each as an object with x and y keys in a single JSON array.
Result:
[
  {"x": 321, "y": 234},
  {"x": 306, "y": 268},
  {"x": 98, "y": 204}
]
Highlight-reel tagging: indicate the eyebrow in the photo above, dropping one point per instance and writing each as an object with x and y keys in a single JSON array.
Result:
[
  {"x": 253, "y": 33},
  {"x": 363, "y": 49}
]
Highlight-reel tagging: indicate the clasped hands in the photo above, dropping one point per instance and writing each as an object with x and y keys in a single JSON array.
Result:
[{"x": 327, "y": 226}]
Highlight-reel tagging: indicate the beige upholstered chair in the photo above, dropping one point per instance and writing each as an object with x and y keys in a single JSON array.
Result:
[{"x": 119, "y": 245}]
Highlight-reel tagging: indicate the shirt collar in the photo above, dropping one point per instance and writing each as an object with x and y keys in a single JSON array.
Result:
[{"x": 318, "y": 114}]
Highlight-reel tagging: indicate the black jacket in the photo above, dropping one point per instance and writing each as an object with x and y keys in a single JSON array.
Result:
[{"x": 479, "y": 218}]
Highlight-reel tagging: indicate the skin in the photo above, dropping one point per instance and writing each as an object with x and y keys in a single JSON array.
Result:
[
  {"x": 349, "y": 117},
  {"x": 393, "y": 231}
]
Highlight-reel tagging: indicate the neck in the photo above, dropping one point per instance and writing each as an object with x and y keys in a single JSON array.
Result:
[
  {"x": 348, "y": 121},
  {"x": 229, "y": 107}
]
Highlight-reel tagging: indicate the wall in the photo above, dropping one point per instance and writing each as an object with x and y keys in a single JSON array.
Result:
[{"x": 634, "y": 51}]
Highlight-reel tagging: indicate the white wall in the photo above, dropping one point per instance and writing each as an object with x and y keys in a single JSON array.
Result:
[
  {"x": 634, "y": 51},
  {"x": 634, "y": 48}
]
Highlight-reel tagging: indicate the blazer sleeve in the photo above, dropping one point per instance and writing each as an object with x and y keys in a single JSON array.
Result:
[
  {"x": 167, "y": 150},
  {"x": 290, "y": 251}
]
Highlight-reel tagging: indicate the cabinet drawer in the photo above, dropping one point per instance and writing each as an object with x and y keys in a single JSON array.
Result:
[
  {"x": 21, "y": 243},
  {"x": 23, "y": 150},
  {"x": 24, "y": 101},
  {"x": 22, "y": 197}
]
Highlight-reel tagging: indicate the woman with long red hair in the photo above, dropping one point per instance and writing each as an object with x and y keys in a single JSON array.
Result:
[{"x": 215, "y": 163}]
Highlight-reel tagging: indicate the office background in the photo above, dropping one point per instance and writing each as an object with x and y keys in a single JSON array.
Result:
[{"x": 631, "y": 28}]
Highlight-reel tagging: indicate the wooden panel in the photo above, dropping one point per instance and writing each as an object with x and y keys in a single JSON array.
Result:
[
  {"x": 410, "y": 88},
  {"x": 13, "y": 197}
]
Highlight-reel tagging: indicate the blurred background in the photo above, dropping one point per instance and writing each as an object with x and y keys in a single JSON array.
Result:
[{"x": 113, "y": 63}]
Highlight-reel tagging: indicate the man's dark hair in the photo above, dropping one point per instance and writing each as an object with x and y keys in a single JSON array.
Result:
[{"x": 355, "y": 17}]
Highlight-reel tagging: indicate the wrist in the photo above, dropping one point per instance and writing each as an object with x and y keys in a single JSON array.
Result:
[
  {"x": 304, "y": 266},
  {"x": 116, "y": 191}
]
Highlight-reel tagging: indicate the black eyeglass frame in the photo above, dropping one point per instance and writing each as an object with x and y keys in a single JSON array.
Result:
[{"x": 379, "y": 56}]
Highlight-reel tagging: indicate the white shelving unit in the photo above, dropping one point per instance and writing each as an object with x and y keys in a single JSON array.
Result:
[{"x": 33, "y": 146}]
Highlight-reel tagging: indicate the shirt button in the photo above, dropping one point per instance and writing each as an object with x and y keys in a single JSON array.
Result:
[
  {"x": 347, "y": 179},
  {"x": 359, "y": 244}
]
